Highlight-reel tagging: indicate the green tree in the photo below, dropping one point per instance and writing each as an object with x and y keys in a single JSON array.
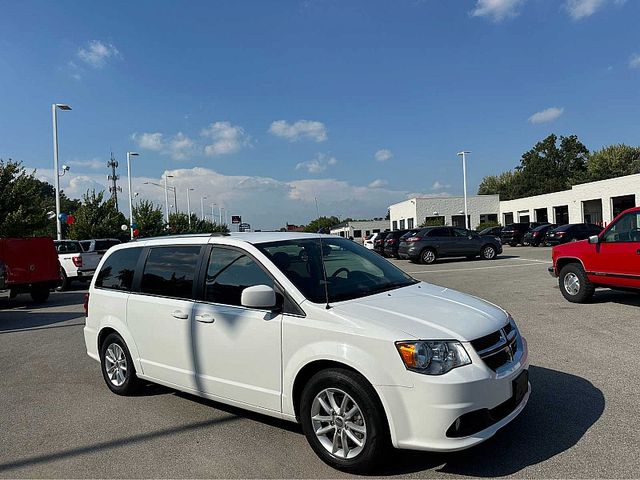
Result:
[
  {"x": 98, "y": 218},
  {"x": 433, "y": 222},
  {"x": 206, "y": 226},
  {"x": 23, "y": 209},
  {"x": 148, "y": 218},
  {"x": 547, "y": 167},
  {"x": 613, "y": 161},
  {"x": 322, "y": 223}
]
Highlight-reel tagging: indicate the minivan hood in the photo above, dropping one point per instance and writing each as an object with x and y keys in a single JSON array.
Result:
[{"x": 425, "y": 311}]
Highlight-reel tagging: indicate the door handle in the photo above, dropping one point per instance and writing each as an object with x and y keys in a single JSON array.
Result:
[
  {"x": 204, "y": 318},
  {"x": 180, "y": 315}
]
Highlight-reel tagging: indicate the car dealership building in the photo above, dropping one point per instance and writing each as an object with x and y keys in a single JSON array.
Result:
[{"x": 594, "y": 202}]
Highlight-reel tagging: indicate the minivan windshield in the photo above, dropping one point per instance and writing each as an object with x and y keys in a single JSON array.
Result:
[{"x": 352, "y": 271}]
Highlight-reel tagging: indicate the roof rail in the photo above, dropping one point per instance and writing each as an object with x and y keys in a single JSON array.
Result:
[{"x": 184, "y": 235}]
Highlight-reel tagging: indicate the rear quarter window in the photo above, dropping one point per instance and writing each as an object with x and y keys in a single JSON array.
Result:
[{"x": 118, "y": 269}]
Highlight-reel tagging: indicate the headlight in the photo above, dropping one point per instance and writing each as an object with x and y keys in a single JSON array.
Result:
[{"x": 432, "y": 357}]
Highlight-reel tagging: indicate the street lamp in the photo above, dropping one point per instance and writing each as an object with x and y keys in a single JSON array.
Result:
[
  {"x": 54, "y": 113},
  {"x": 129, "y": 155},
  {"x": 464, "y": 180},
  {"x": 212, "y": 217},
  {"x": 189, "y": 206},
  {"x": 202, "y": 199},
  {"x": 166, "y": 196}
]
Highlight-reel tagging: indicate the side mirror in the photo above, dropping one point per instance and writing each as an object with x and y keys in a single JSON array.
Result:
[
  {"x": 258, "y": 296},
  {"x": 594, "y": 239}
]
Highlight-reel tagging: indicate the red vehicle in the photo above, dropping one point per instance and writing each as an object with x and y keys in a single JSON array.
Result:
[
  {"x": 610, "y": 259},
  {"x": 28, "y": 265}
]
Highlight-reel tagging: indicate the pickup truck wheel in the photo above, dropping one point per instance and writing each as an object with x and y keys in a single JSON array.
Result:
[
  {"x": 39, "y": 294},
  {"x": 117, "y": 367},
  {"x": 65, "y": 282},
  {"x": 343, "y": 420},
  {"x": 574, "y": 284}
]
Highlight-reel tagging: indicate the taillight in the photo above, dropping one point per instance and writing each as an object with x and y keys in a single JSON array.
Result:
[
  {"x": 560, "y": 233},
  {"x": 86, "y": 304},
  {"x": 412, "y": 239},
  {"x": 77, "y": 261},
  {"x": 391, "y": 241},
  {"x": 535, "y": 234}
]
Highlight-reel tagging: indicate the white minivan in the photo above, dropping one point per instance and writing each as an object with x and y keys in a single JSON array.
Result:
[{"x": 314, "y": 329}]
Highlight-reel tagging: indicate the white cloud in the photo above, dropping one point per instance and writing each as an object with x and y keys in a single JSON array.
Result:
[
  {"x": 93, "y": 164},
  {"x": 226, "y": 138},
  {"x": 437, "y": 185},
  {"x": 547, "y": 115},
  {"x": 178, "y": 147},
  {"x": 96, "y": 53},
  {"x": 264, "y": 202},
  {"x": 497, "y": 10},
  {"x": 634, "y": 61},
  {"x": 318, "y": 164},
  {"x": 302, "y": 129},
  {"x": 579, "y": 9},
  {"x": 383, "y": 155},
  {"x": 379, "y": 183}
]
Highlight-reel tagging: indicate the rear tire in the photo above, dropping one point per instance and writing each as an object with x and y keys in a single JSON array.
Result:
[
  {"x": 65, "y": 282},
  {"x": 39, "y": 294},
  {"x": 117, "y": 367},
  {"x": 574, "y": 284},
  {"x": 365, "y": 432},
  {"x": 428, "y": 256}
]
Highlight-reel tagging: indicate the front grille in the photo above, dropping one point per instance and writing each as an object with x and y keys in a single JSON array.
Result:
[{"x": 498, "y": 348}]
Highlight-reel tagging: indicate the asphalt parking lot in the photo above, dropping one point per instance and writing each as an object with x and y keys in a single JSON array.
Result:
[{"x": 58, "y": 419}]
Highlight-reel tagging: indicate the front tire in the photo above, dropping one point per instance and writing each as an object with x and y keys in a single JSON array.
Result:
[
  {"x": 117, "y": 367},
  {"x": 488, "y": 252},
  {"x": 343, "y": 420},
  {"x": 574, "y": 284}
]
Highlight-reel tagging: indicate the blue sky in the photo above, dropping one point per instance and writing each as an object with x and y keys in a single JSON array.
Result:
[{"x": 264, "y": 105}]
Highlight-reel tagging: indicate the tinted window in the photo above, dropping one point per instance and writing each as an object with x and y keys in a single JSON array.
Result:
[
  {"x": 86, "y": 245},
  {"x": 462, "y": 232},
  {"x": 229, "y": 273},
  {"x": 626, "y": 229},
  {"x": 118, "y": 269},
  {"x": 351, "y": 270},
  {"x": 68, "y": 247},
  {"x": 169, "y": 271},
  {"x": 103, "y": 245},
  {"x": 439, "y": 232}
]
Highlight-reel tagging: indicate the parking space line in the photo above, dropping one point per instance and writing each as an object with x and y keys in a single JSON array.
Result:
[
  {"x": 527, "y": 260},
  {"x": 476, "y": 268}
]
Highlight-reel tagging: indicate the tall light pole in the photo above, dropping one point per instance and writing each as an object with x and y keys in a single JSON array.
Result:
[
  {"x": 129, "y": 155},
  {"x": 220, "y": 210},
  {"x": 202, "y": 199},
  {"x": 166, "y": 197},
  {"x": 464, "y": 181},
  {"x": 189, "y": 206},
  {"x": 212, "y": 217},
  {"x": 54, "y": 112}
]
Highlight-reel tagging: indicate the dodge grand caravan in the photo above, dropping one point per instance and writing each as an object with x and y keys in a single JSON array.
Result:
[{"x": 312, "y": 329}]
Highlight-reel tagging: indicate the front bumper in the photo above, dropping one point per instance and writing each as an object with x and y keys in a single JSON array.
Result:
[
  {"x": 552, "y": 272},
  {"x": 420, "y": 416}
]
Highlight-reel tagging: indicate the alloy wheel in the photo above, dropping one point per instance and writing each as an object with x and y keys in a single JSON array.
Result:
[
  {"x": 338, "y": 423},
  {"x": 115, "y": 364},
  {"x": 571, "y": 283}
]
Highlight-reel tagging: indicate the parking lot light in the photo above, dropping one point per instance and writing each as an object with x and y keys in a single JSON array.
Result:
[
  {"x": 56, "y": 177},
  {"x": 464, "y": 181},
  {"x": 129, "y": 155}
]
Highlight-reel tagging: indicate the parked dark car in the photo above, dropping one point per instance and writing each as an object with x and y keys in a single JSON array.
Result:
[
  {"x": 538, "y": 235},
  {"x": 391, "y": 243},
  {"x": 572, "y": 232},
  {"x": 432, "y": 243},
  {"x": 495, "y": 231},
  {"x": 378, "y": 244},
  {"x": 513, "y": 234}
]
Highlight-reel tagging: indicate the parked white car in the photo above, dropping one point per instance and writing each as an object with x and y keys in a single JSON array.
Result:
[
  {"x": 353, "y": 348},
  {"x": 368, "y": 241},
  {"x": 75, "y": 264}
]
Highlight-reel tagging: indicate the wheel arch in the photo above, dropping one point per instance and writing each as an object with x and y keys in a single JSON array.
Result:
[
  {"x": 108, "y": 328},
  {"x": 564, "y": 261}
]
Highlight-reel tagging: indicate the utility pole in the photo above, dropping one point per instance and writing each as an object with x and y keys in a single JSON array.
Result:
[
  {"x": 113, "y": 178},
  {"x": 463, "y": 154}
]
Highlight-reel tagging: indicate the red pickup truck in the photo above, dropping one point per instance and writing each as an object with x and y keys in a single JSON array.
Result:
[
  {"x": 610, "y": 259},
  {"x": 28, "y": 265}
]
